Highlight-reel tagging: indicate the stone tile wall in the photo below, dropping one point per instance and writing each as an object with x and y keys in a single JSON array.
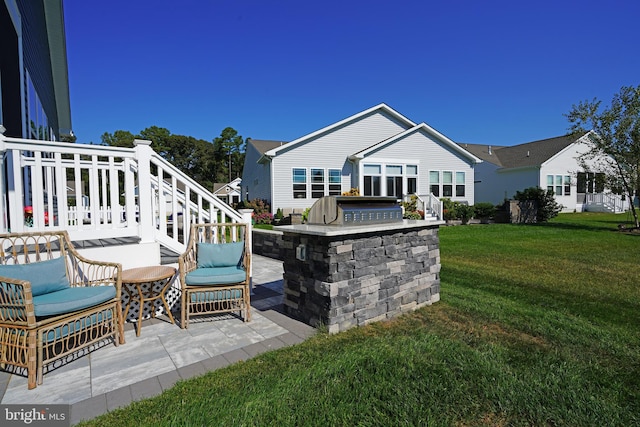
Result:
[{"x": 355, "y": 279}]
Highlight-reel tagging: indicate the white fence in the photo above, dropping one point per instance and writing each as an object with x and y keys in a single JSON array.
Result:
[{"x": 97, "y": 192}]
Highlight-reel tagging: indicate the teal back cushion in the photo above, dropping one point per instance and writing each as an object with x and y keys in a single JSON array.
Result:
[
  {"x": 219, "y": 254},
  {"x": 45, "y": 276}
]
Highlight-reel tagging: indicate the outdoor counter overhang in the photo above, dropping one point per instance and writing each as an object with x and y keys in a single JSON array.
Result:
[{"x": 342, "y": 230}]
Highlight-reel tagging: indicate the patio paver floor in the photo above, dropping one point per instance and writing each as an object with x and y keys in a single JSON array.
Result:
[{"x": 112, "y": 377}]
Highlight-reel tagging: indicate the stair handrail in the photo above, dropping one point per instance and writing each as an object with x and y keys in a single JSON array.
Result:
[
  {"x": 430, "y": 202},
  {"x": 100, "y": 173}
]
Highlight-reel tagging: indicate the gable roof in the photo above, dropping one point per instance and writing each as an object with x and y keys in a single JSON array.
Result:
[
  {"x": 529, "y": 154},
  {"x": 380, "y": 107},
  {"x": 421, "y": 127},
  {"x": 264, "y": 145},
  {"x": 217, "y": 186}
]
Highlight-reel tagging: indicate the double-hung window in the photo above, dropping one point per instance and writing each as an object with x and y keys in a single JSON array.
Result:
[
  {"x": 299, "y": 183},
  {"x": 335, "y": 182},
  {"x": 460, "y": 188},
  {"x": 317, "y": 183},
  {"x": 434, "y": 183},
  {"x": 447, "y": 184}
]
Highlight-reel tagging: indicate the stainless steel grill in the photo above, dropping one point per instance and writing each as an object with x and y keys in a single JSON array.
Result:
[{"x": 354, "y": 210}]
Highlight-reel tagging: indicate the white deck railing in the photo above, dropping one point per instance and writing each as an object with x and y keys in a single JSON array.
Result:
[
  {"x": 606, "y": 202},
  {"x": 430, "y": 204},
  {"x": 99, "y": 192}
]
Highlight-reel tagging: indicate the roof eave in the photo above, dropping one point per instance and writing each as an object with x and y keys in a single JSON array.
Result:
[{"x": 382, "y": 106}]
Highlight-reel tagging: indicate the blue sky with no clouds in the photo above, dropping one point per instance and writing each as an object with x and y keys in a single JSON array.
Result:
[{"x": 485, "y": 72}]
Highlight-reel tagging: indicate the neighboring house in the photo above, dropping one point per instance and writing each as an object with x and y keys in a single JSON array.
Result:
[
  {"x": 33, "y": 70},
  {"x": 230, "y": 193},
  {"x": 551, "y": 164},
  {"x": 378, "y": 151}
]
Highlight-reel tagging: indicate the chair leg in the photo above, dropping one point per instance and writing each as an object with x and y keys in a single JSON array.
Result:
[
  {"x": 184, "y": 314},
  {"x": 33, "y": 367},
  {"x": 120, "y": 326},
  {"x": 247, "y": 304}
]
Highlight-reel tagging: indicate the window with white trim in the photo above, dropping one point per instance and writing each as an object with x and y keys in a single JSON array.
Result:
[
  {"x": 317, "y": 183},
  {"x": 335, "y": 182},
  {"x": 460, "y": 187},
  {"x": 372, "y": 180},
  {"x": 412, "y": 179},
  {"x": 299, "y": 183},
  {"x": 560, "y": 185},
  {"x": 447, "y": 184},
  {"x": 434, "y": 183},
  {"x": 394, "y": 180}
]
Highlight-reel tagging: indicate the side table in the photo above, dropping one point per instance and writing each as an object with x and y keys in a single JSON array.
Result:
[{"x": 133, "y": 280}]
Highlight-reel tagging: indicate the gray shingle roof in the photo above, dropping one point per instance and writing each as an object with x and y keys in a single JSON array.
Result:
[
  {"x": 522, "y": 155},
  {"x": 263, "y": 145}
]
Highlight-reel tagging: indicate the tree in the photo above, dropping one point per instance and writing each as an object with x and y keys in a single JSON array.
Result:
[
  {"x": 229, "y": 148},
  {"x": 615, "y": 141},
  {"x": 201, "y": 160},
  {"x": 546, "y": 205},
  {"x": 119, "y": 138}
]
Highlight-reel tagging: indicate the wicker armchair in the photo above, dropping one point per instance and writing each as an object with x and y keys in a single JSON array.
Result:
[
  {"x": 53, "y": 302},
  {"x": 214, "y": 271}
]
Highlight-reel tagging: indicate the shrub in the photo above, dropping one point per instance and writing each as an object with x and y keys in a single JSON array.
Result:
[
  {"x": 305, "y": 215},
  {"x": 484, "y": 210},
  {"x": 279, "y": 215},
  {"x": 464, "y": 212},
  {"x": 546, "y": 205},
  {"x": 352, "y": 192},
  {"x": 411, "y": 209},
  {"x": 258, "y": 205},
  {"x": 449, "y": 208},
  {"x": 262, "y": 218},
  {"x": 412, "y": 215}
]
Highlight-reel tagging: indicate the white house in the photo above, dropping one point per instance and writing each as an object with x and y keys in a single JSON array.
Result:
[
  {"x": 551, "y": 164},
  {"x": 229, "y": 192},
  {"x": 378, "y": 151}
]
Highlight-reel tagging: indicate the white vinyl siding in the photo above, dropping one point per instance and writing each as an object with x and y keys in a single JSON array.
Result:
[
  {"x": 329, "y": 151},
  {"x": 256, "y": 182},
  {"x": 429, "y": 155}
]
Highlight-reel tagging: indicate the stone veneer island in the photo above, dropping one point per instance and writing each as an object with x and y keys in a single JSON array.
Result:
[{"x": 346, "y": 276}]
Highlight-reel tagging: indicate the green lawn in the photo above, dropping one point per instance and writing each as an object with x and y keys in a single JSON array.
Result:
[{"x": 537, "y": 325}]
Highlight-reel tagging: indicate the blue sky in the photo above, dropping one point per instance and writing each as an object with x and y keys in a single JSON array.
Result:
[{"x": 485, "y": 72}]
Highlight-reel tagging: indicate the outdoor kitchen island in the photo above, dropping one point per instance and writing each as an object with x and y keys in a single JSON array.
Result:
[{"x": 349, "y": 274}]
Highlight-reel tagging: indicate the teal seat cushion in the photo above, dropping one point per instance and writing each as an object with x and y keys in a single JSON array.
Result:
[
  {"x": 77, "y": 326},
  {"x": 45, "y": 276},
  {"x": 219, "y": 254},
  {"x": 216, "y": 276},
  {"x": 211, "y": 296},
  {"x": 71, "y": 299}
]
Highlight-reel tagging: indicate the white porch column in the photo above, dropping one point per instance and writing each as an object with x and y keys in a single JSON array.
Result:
[
  {"x": 4, "y": 221},
  {"x": 146, "y": 227},
  {"x": 246, "y": 218}
]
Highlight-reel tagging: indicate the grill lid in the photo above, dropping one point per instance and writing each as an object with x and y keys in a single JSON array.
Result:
[{"x": 354, "y": 210}]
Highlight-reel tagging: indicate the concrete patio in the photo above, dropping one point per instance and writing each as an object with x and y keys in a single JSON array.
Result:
[{"x": 112, "y": 377}]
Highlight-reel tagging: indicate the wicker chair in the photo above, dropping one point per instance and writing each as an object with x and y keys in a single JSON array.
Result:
[
  {"x": 214, "y": 271},
  {"x": 53, "y": 302}
]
